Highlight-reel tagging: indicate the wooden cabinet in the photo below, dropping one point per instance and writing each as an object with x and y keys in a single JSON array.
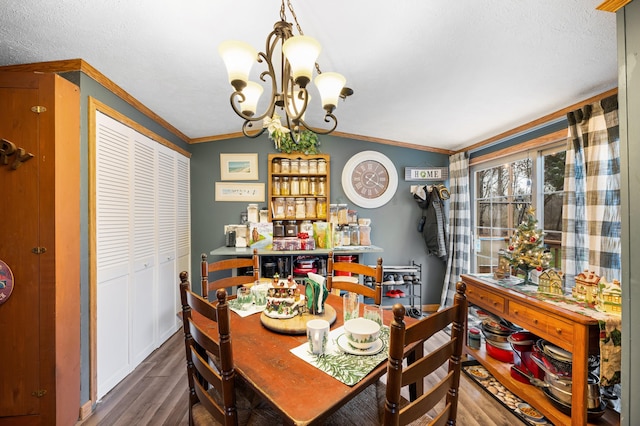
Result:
[
  {"x": 298, "y": 184},
  {"x": 40, "y": 216},
  {"x": 569, "y": 330}
]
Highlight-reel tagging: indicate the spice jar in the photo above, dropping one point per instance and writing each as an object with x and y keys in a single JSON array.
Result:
[
  {"x": 346, "y": 235},
  {"x": 313, "y": 167},
  {"x": 290, "y": 207},
  {"x": 354, "y": 234},
  {"x": 285, "y": 186},
  {"x": 275, "y": 166},
  {"x": 301, "y": 212},
  {"x": 333, "y": 213},
  {"x": 279, "y": 208},
  {"x": 295, "y": 186},
  {"x": 304, "y": 186},
  {"x": 310, "y": 208},
  {"x": 322, "y": 166},
  {"x": 322, "y": 186},
  {"x": 321, "y": 208},
  {"x": 295, "y": 166},
  {"x": 275, "y": 186},
  {"x": 304, "y": 167},
  {"x": 313, "y": 186},
  {"x": 285, "y": 165}
]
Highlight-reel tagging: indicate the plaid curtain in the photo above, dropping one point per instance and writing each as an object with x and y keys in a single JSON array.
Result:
[
  {"x": 591, "y": 205},
  {"x": 459, "y": 251}
]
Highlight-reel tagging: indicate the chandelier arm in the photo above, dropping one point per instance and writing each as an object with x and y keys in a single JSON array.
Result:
[
  {"x": 249, "y": 124},
  {"x": 328, "y": 118}
]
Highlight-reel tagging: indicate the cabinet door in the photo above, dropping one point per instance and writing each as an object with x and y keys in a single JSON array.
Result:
[{"x": 20, "y": 365}]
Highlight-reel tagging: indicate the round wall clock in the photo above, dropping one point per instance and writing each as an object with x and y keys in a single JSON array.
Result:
[{"x": 369, "y": 179}]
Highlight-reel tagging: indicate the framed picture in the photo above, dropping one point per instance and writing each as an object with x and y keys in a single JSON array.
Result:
[
  {"x": 236, "y": 191},
  {"x": 239, "y": 166}
]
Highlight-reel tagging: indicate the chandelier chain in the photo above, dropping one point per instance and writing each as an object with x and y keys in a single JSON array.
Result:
[{"x": 295, "y": 19}]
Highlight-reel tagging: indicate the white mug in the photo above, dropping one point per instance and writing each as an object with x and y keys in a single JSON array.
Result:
[{"x": 317, "y": 335}]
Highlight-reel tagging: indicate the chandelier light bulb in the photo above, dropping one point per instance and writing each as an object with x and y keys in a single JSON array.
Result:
[
  {"x": 301, "y": 53},
  {"x": 330, "y": 85},
  {"x": 252, "y": 93},
  {"x": 238, "y": 57}
]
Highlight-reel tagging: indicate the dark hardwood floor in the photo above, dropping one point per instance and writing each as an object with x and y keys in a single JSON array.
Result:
[{"x": 155, "y": 393}]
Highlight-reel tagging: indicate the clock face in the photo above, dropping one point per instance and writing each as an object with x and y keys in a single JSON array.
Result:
[{"x": 369, "y": 179}]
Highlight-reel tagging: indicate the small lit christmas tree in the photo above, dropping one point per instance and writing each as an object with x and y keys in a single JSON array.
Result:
[{"x": 526, "y": 251}]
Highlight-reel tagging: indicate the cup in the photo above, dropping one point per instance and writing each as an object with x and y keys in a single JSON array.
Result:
[
  {"x": 244, "y": 296},
  {"x": 259, "y": 292},
  {"x": 317, "y": 335},
  {"x": 373, "y": 312},
  {"x": 350, "y": 306}
]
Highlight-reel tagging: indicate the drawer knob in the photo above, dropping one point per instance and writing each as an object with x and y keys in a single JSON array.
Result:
[
  {"x": 559, "y": 330},
  {"x": 535, "y": 321}
]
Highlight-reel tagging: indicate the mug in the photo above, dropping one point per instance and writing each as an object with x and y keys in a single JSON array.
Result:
[
  {"x": 316, "y": 294},
  {"x": 350, "y": 306},
  {"x": 317, "y": 335},
  {"x": 373, "y": 312},
  {"x": 259, "y": 292}
]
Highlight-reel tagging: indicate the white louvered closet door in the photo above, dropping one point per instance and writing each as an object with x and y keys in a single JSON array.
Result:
[{"x": 142, "y": 200}]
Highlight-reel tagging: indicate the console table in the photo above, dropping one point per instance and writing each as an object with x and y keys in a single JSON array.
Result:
[{"x": 574, "y": 332}]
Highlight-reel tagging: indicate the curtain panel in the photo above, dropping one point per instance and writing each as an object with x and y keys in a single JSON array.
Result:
[
  {"x": 591, "y": 237},
  {"x": 459, "y": 241}
]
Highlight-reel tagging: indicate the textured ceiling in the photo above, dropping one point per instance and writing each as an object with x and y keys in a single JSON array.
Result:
[{"x": 438, "y": 73}]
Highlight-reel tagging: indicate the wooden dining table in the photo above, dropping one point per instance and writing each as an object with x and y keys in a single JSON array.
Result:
[{"x": 299, "y": 391}]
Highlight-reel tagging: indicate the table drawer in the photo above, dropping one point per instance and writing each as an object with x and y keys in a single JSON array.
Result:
[
  {"x": 528, "y": 318},
  {"x": 486, "y": 299}
]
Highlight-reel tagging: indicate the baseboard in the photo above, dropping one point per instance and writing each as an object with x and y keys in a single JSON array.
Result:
[{"x": 86, "y": 410}]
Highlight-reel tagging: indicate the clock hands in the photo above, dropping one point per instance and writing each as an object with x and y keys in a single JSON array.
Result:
[{"x": 370, "y": 180}]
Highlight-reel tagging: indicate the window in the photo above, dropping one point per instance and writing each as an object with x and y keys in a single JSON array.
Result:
[{"x": 503, "y": 189}]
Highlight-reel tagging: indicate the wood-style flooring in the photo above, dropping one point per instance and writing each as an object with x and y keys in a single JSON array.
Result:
[{"x": 155, "y": 393}]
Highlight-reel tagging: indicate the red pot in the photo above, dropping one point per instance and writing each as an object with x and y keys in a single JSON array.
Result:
[{"x": 499, "y": 351}]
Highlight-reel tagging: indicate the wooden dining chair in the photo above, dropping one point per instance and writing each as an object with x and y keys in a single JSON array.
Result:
[
  {"x": 398, "y": 410},
  {"x": 347, "y": 283},
  {"x": 228, "y": 266},
  {"x": 216, "y": 395}
]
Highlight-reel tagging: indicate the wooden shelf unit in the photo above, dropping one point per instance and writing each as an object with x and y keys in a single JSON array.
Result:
[
  {"x": 573, "y": 332},
  {"x": 297, "y": 156}
]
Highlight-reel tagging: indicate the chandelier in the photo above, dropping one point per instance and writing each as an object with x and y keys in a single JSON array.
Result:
[{"x": 290, "y": 61}]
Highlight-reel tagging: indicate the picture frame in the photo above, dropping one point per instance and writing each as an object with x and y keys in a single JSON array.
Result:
[
  {"x": 239, "y": 166},
  {"x": 238, "y": 191}
]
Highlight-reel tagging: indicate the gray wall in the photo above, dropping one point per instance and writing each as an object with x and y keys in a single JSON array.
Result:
[
  {"x": 629, "y": 99},
  {"x": 394, "y": 225}
]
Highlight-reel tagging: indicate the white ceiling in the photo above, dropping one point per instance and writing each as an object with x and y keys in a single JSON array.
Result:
[{"x": 438, "y": 73}]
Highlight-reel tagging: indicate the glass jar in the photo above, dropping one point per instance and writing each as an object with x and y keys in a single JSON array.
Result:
[
  {"x": 365, "y": 235},
  {"x": 337, "y": 235},
  {"x": 278, "y": 228},
  {"x": 322, "y": 166},
  {"x": 295, "y": 166},
  {"x": 301, "y": 212},
  {"x": 275, "y": 186},
  {"x": 304, "y": 186},
  {"x": 252, "y": 213},
  {"x": 333, "y": 213},
  {"x": 264, "y": 215},
  {"x": 354, "y": 234},
  {"x": 291, "y": 229},
  {"x": 343, "y": 217},
  {"x": 295, "y": 186},
  {"x": 313, "y": 186},
  {"x": 322, "y": 186},
  {"x": 285, "y": 165},
  {"x": 279, "y": 208},
  {"x": 474, "y": 338},
  {"x": 290, "y": 208},
  {"x": 285, "y": 186},
  {"x": 321, "y": 208},
  {"x": 304, "y": 167},
  {"x": 307, "y": 227},
  {"x": 313, "y": 167},
  {"x": 275, "y": 166},
  {"x": 310, "y": 207},
  {"x": 352, "y": 216},
  {"x": 346, "y": 235}
]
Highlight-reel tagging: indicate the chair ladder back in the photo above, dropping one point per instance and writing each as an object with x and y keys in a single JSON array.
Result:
[
  {"x": 231, "y": 265},
  {"x": 421, "y": 366},
  {"x": 374, "y": 293},
  {"x": 199, "y": 346}
]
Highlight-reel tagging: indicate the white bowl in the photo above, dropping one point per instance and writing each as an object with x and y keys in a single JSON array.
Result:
[{"x": 361, "y": 333}]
